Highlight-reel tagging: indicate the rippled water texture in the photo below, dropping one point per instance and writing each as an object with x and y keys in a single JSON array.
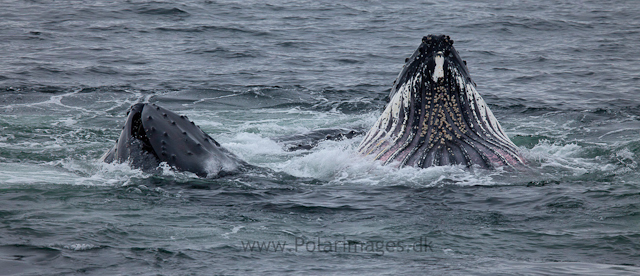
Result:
[{"x": 562, "y": 77}]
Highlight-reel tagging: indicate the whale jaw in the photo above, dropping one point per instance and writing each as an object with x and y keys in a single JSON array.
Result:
[
  {"x": 153, "y": 135},
  {"x": 436, "y": 117}
]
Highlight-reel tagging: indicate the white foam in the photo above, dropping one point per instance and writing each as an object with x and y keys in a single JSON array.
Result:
[
  {"x": 322, "y": 164},
  {"x": 68, "y": 122},
  {"x": 253, "y": 146},
  {"x": 545, "y": 149},
  {"x": 625, "y": 154},
  {"x": 166, "y": 169},
  {"x": 233, "y": 231},
  {"x": 338, "y": 163},
  {"x": 214, "y": 166},
  {"x": 564, "y": 157},
  {"x": 65, "y": 172},
  {"x": 80, "y": 247}
]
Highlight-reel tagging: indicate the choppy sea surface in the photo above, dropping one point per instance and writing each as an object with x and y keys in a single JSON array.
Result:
[{"x": 562, "y": 77}]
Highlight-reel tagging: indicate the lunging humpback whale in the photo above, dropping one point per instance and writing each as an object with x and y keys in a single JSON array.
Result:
[
  {"x": 436, "y": 117},
  {"x": 152, "y": 135}
]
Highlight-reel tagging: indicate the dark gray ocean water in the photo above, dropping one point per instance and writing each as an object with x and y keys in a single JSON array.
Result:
[{"x": 562, "y": 77}]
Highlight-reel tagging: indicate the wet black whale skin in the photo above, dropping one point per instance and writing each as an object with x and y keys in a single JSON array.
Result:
[{"x": 165, "y": 136}]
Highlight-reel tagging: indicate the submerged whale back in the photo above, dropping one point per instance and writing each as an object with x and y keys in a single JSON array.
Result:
[{"x": 436, "y": 117}]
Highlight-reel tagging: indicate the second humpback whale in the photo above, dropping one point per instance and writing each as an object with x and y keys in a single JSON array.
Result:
[
  {"x": 436, "y": 117},
  {"x": 152, "y": 135}
]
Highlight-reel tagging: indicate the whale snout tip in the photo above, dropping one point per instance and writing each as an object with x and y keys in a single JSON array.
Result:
[
  {"x": 433, "y": 44},
  {"x": 431, "y": 39}
]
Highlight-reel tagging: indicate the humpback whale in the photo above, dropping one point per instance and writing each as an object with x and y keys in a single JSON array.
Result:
[
  {"x": 152, "y": 135},
  {"x": 436, "y": 117}
]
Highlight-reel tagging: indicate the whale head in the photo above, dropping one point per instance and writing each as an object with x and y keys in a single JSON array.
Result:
[
  {"x": 153, "y": 135},
  {"x": 436, "y": 117}
]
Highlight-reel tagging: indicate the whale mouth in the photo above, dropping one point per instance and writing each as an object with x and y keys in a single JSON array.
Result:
[
  {"x": 436, "y": 117},
  {"x": 138, "y": 132}
]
